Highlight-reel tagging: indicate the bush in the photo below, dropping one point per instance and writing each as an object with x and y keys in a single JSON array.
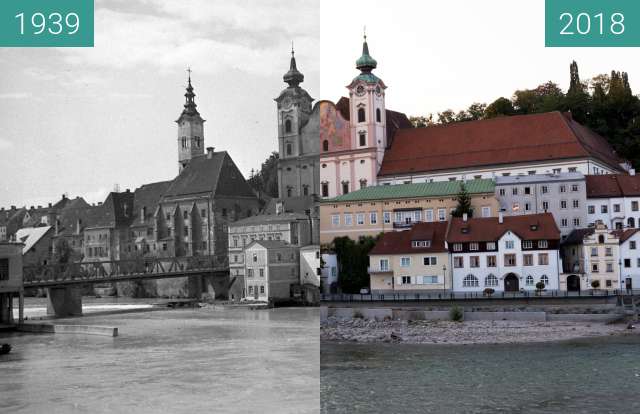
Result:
[
  {"x": 540, "y": 286},
  {"x": 358, "y": 315},
  {"x": 595, "y": 284},
  {"x": 489, "y": 291},
  {"x": 456, "y": 314}
]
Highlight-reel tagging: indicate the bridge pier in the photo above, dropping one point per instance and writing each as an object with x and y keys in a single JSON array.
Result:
[{"x": 64, "y": 301}]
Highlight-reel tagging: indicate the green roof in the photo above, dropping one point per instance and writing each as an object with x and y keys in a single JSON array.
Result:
[{"x": 435, "y": 189}]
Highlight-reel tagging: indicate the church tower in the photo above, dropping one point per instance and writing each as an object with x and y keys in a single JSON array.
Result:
[
  {"x": 294, "y": 110},
  {"x": 190, "y": 129},
  {"x": 367, "y": 107}
]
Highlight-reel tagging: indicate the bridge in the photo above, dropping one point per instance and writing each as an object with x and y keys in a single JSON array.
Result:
[{"x": 64, "y": 281}]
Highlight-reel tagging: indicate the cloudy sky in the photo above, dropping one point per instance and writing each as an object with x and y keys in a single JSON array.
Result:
[
  {"x": 435, "y": 55},
  {"x": 80, "y": 121}
]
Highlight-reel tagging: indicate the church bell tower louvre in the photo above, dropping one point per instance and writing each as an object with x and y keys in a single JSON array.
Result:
[{"x": 190, "y": 129}]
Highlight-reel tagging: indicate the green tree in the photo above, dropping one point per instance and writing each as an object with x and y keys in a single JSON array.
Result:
[
  {"x": 353, "y": 262},
  {"x": 265, "y": 181},
  {"x": 422, "y": 121},
  {"x": 464, "y": 202},
  {"x": 500, "y": 107}
]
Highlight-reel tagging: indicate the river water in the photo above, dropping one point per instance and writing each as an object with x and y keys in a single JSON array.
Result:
[
  {"x": 174, "y": 361},
  {"x": 584, "y": 376}
]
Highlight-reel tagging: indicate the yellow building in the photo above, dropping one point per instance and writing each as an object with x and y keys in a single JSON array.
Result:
[
  {"x": 374, "y": 210},
  {"x": 414, "y": 260}
]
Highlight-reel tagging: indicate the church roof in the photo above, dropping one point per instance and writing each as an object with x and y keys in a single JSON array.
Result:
[
  {"x": 147, "y": 196},
  {"x": 504, "y": 140},
  {"x": 213, "y": 173}
]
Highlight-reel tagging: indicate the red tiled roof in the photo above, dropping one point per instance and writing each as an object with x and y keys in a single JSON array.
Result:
[
  {"x": 489, "y": 229},
  {"x": 503, "y": 140},
  {"x": 613, "y": 185},
  {"x": 624, "y": 234},
  {"x": 399, "y": 242}
]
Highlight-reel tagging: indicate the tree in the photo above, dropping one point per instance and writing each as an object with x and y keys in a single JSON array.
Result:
[
  {"x": 464, "y": 202},
  {"x": 422, "y": 121},
  {"x": 595, "y": 284},
  {"x": 353, "y": 262},
  {"x": 500, "y": 107},
  {"x": 265, "y": 181}
]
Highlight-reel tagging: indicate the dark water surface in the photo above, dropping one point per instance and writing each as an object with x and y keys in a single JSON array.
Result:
[
  {"x": 585, "y": 376},
  {"x": 181, "y": 361}
]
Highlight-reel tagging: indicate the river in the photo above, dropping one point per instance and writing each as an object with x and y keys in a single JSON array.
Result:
[
  {"x": 600, "y": 375},
  {"x": 174, "y": 361}
]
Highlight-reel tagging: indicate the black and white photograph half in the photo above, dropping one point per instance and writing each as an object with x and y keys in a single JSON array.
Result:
[{"x": 159, "y": 213}]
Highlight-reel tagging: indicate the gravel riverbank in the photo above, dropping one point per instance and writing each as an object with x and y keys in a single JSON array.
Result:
[{"x": 470, "y": 332}]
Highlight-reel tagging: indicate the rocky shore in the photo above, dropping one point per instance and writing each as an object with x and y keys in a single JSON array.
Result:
[{"x": 469, "y": 332}]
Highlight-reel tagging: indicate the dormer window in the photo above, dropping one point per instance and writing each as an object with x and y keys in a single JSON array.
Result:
[
  {"x": 361, "y": 115},
  {"x": 464, "y": 230},
  {"x": 457, "y": 247},
  {"x": 287, "y": 126},
  {"x": 474, "y": 246},
  {"x": 527, "y": 244},
  {"x": 534, "y": 227},
  {"x": 543, "y": 244},
  {"x": 420, "y": 243}
]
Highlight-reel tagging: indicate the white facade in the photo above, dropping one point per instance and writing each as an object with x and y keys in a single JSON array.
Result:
[
  {"x": 310, "y": 265},
  {"x": 544, "y": 266},
  {"x": 630, "y": 263},
  {"x": 329, "y": 271},
  {"x": 615, "y": 212}
]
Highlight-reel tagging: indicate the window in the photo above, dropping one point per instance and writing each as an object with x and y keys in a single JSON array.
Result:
[
  {"x": 287, "y": 126},
  {"x": 386, "y": 216},
  {"x": 474, "y": 261},
  {"x": 634, "y": 206},
  {"x": 576, "y": 222},
  {"x": 527, "y": 206},
  {"x": 545, "y": 279},
  {"x": 627, "y": 262},
  {"x": 609, "y": 283},
  {"x": 250, "y": 289},
  {"x": 429, "y": 280},
  {"x": 428, "y": 215},
  {"x": 543, "y": 259},
  {"x": 532, "y": 172},
  {"x": 543, "y": 244},
  {"x": 373, "y": 217},
  {"x": 384, "y": 265},
  {"x": 527, "y": 260},
  {"x": 289, "y": 149},
  {"x": 4, "y": 269},
  {"x": 509, "y": 244},
  {"x": 421, "y": 243},
  {"x": 594, "y": 268},
  {"x": 545, "y": 205},
  {"x": 261, "y": 272},
  {"x": 632, "y": 245},
  {"x": 363, "y": 182},
  {"x": 529, "y": 280},
  {"x": 486, "y": 211},
  {"x": 527, "y": 244},
  {"x": 576, "y": 203},
  {"x": 457, "y": 247},
  {"x": 429, "y": 261},
  {"x": 361, "y": 115},
  {"x": 405, "y": 261},
  {"x": 574, "y": 188},
  {"x": 325, "y": 189},
  {"x": 563, "y": 204},
  {"x": 594, "y": 252},
  {"x": 360, "y": 219},
  {"x": 474, "y": 246},
  {"x": 348, "y": 219},
  {"x": 563, "y": 188},
  {"x": 363, "y": 139},
  {"x": 609, "y": 267},
  {"x": 325, "y": 145},
  {"x": 514, "y": 190},
  {"x": 378, "y": 115},
  {"x": 345, "y": 187},
  {"x": 527, "y": 190},
  {"x": 255, "y": 258},
  {"x": 262, "y": 289},
  {"x": 442, "y": 214},
  {"x": 603, "y": 209},
  {"x": 564, "y": 222},
  {"x": 510, "y": 260},
  {"x": 458, "y": 262},
  {"x": 491, "y": 281},
  {"x": 186, "y": 231},
  {"x": 544, "y": 189},
  {"x": 608, "y": 251},
  {"x": 491, "y": 245},
  {"x": 470, "y": 281},
  {"x": 591, "y": 209},
  {"x": 502, "y": 192},
  {"x": 335, "y": 220},
  {"x": 406, "y": 280},
  {"x": 638, "y": 262},
  {"x": 491, "y": 261}
]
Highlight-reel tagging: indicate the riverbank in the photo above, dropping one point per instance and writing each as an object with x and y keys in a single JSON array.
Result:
[{"x": 463, "y": 333}]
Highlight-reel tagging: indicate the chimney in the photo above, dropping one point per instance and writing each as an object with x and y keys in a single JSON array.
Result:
[
  {"x": 50, "y": 205},
  {"x": 39, "y": 207},
  {"x": 465, "y": 217},
  {"x": 632, "y": 171},
  {"x": 210, "y": 152},
  {"x": 78, "y": 223},
  {"x": 64, "y": 196},
  {"x": 500, "y": 217},
  {"x": 127, "y": 190},
  {"x": 13, "y": 207},
  {"x": 31, "y": 208}
]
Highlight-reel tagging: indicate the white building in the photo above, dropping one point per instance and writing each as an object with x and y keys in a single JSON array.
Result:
[
  {"x": 329, "y": 272},
  {"x": 310, "y": 265},
  {"x": 614, "y": 200},
  {"x": 629, "y": 259},
  {"x": 505, "y": 253},
  {"x": 271, "y": 270}
]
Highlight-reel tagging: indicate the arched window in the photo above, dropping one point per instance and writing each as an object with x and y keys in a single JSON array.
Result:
[
  {"x": 287, "y": 125},
  {"x": 545, "y": 279},
  {"x": 361, "y": 116},
  {"x": 529, "y": 280},
  {"x": 378, "y": 115},
  {"x": 363, "y": 139},
  {"x": 325, "y": 145},
  {"x": 289, "y": 149},
  {"x": 631, "y": 222},
  {"x": 491, "y": 281},
  {"x": 470, "y": 281}
]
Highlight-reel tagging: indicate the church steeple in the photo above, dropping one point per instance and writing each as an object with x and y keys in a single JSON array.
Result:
[
  {"x": 190, "y": 103},
  {"x": 190, "y": 128},
  {"x": 293, "y": 77},
  {"x": 366, "y": 63}
]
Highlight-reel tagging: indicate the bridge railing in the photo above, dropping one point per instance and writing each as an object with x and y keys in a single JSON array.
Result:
[{"x": 117, "y": 269}]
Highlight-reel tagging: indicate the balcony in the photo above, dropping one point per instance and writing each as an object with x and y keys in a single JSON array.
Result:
[
  {"x": 378, "y": 269},
  {"x": 403, "y": 224}
]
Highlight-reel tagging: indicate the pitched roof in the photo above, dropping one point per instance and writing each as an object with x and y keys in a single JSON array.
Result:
[
  {"x": 624, "y": 234},
  {"x": 214, "y": 173},
  {"x": 577, "y": 236},
  {"x": 30, "y": 236},
  {"x": 399, "y": 242},
  {"x": 527, "y": 227},
  {"x": 434, "y": 189},
  {"x": 497, "y": 141},
  {"x": 117, "y": 210},
  {"x": 394, "y": 120},
  {"x": 613, "y": 185},
  {"x": 147, "y": 196},
  {"x": 70, "y": 218},
  {"x": 270, "y": 244},
  {"x": 269, "y": 218}
]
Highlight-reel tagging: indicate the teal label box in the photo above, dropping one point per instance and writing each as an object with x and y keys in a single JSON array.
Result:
[
  {"x": 46, "y": 23},
  {"x": 592, "y": 23}
]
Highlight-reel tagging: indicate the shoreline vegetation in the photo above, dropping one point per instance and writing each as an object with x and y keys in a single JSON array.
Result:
[{"x": 366, "y": 331}]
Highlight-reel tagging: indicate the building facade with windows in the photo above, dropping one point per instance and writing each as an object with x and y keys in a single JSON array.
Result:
[
  {"x": 614, "y": 200},
  {"x": 629, "y": 258},
  {"x": 380, "y": 209},
  {"x": 506, "y": 254},
  {"x": 415, "y": 260},
  {"x": 563, "y": 195},
  {"x": 11, "y": 283},
  {"x": 271, "y": 269}
]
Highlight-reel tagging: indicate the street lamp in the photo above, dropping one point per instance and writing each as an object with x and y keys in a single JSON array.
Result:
[{"x": 444, "y": 278}]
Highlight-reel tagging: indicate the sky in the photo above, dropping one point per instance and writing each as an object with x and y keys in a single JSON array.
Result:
[
  {"x": 437, "y": 55},
  {"x": 82, "y": 120}
]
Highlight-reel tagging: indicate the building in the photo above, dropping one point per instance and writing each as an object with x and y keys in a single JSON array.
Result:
[
  {"x": 310, "y": 265},
  {"x": 329, "y": 272},
  {"x": 563, "y": 195},
  {"x": 374, "y": 210},
  {"x": 142, "y": 240},
  {"x": 504, "y": 254},
  {"x": 415, "y": 260},
  {"x": 356, "y": 131},
  {"x": 37, "y": 245},
  {"x": 293, "y": 229},
  {"x": 614, "y": 200},
  {"x": 11, "y": 284},
  {"x": 272, "y": 270},
  {"x": 542, "y": 143},
  {"x": 629, "y": 258},
  {"x": 107, "y": 237},
  {"x": 298, "y": 130},
  {"x": 592, "y": 254}
]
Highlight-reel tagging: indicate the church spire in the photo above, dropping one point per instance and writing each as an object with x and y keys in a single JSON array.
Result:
[
  {"x": 190, "y": 103},
  {"x": 293, "y": 77},
  {"x": 366, "y": 63}
]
